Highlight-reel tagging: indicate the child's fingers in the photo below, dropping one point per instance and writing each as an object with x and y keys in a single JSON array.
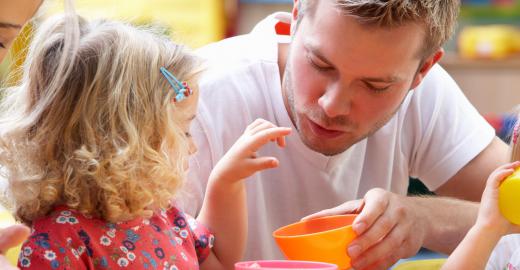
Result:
[
  {"x": 263, "y": 163},
  {"x": 512, "y": 165},
  {"x": 264, "y": 136},
  {"x": 262, "y": 126},
  {"x": 498, "y": 176},
  {"x": 12, "y": 236},
  {"x": 255, "y": 123},
  {"x": 281, "y": 141}
]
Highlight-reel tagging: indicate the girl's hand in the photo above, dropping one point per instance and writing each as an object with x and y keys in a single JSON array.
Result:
[
  {"x": 489, "y": 216},
  {"x": 241, "y": 161}
]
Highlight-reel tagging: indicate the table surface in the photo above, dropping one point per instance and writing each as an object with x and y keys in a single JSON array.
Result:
[{"x": 423, "y": 254}]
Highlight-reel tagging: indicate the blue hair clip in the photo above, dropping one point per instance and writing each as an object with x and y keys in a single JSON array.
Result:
[{"x": 182, "y": 90}]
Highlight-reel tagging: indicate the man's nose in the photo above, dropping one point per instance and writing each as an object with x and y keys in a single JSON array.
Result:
[{"x": 336, "y": 101}]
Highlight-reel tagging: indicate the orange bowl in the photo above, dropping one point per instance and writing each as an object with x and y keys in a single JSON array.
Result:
[{"x": 322, "y": 239}]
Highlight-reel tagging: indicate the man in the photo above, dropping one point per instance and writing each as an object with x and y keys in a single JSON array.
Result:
[
  {"x": 359, "y": 82},
  {"x": 13, "y": 16}
]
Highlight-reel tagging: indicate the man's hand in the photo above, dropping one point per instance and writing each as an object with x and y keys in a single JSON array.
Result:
[
  {"x": 11, "y": 237},
  {"x": 389, "y": 228}
]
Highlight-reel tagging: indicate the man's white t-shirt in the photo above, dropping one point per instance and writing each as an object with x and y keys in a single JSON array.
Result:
[{"x": 433, "y": 135}]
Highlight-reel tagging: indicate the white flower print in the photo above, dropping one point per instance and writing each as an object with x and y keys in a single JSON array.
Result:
[
  {"x": 25, "y": 262},
  {"x": 122, "y": 262},
  {"x": 124, "y": 249},
  {"x": 73, "y": 220},
  {"x": 27, "y": 251},
  {"x": 192, "y": 223},
  {"x": 81, "y": 249},
  {"x": 178, "y": 240},
  {"x": 184, "y": 257},
  {"x": 69, "y": 240},
  {"x": 173, "y": 267},
  {"x": 184, "y": 234},
  {"x": 164, "y": 214},
  {"x": 62, "y": 219},
  {"x": 66, "y": 213},
  {"x": 111, "y": 233},
  {"x": 131, "y": 256},
  {"x": 105, "y": 241},
  {"x": 67, "y": 219},
  {"x": 176, "y": 229},
  {"x": 211, "y": 240},
  {"x": 50, "y": 255},
  {"x": 146, "y": 221},
  {"x": 75, "y": 253}
]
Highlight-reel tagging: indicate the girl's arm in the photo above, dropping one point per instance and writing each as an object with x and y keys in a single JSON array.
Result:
[
  {"x": 474, "y": 250},
  {"x": 224, "y": 209}
]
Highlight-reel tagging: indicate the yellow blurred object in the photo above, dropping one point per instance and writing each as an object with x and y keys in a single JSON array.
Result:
[
  {"x": 18, "y": 53},
  {"x": 490, "y": 41},
  {"x": 509, "y": 197},
  {"x": 6, "y": 219},
  {"x": 433, "y": 264},
  {"x": 194, "y": 22}
]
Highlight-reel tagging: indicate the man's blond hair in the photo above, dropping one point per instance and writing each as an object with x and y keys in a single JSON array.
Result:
[{"x": 439, "y": 17}]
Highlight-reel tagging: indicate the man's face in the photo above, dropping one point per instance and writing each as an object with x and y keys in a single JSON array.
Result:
[
  {"x": 343, "y": 80},
  {"x": 13, "y": 15}
]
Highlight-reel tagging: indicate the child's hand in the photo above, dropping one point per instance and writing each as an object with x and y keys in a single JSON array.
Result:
[
  {"x": 489, "y": 215},
  {"x": 241, "y": 160}
]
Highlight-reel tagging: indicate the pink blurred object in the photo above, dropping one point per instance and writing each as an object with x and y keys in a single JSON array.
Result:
[{"x": 284, "y": 265}]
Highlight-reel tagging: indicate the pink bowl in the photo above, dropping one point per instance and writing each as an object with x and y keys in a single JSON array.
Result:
[{"x": 284, "y": 265}]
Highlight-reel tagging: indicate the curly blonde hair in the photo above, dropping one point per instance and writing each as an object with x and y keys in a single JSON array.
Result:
[{"x": 92, "y": 125}]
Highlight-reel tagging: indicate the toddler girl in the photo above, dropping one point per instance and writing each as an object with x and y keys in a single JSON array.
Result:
[
  {"x": 95, "y": 141},
  {"x": 479, "y": 249}
]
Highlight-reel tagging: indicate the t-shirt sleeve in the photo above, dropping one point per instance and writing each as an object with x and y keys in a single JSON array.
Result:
[
  {"x": 202, "y": 238},
  {"x": 50, "y": 250},
  {"x": 448, "y": 131}
]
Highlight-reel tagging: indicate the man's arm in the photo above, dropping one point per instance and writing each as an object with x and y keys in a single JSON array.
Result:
[
  {"x": 455, "y": 218},
  {"x": 470, "y": 181},
  {"x": 392, "y": 226}
]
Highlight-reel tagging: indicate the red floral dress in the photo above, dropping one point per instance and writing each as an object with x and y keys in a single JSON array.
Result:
[{"x": 66, "y": 239}]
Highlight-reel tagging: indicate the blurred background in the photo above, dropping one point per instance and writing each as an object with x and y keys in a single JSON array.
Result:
[{"x": 483, "y": 56}]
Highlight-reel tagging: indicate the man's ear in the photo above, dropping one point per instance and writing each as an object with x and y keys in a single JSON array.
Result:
[
  {"x": 296, "y": 6},
  {"x": 294, "y": 17},
  {"x": 427, "y": 64}
]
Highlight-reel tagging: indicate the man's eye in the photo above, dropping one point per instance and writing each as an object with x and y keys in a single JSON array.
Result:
[
  {"x": 2, "y": 45},
  {"x": 187, "y": 134},
  {"x": 377, "y": 89},
  {"x": 316, "y": 66}
]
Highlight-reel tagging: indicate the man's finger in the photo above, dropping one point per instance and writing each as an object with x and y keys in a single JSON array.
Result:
[
  {"x": 390, "y": 244},
  {"x": 346, "y": 208},
  {"x": 376, "y": 204}
]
